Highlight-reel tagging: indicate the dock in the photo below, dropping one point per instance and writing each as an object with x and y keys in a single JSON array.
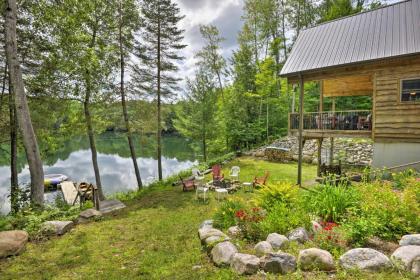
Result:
[{"x": 69, "y": 192}]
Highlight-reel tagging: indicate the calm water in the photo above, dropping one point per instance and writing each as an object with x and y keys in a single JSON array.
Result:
[{"x": 74, "y": 160}]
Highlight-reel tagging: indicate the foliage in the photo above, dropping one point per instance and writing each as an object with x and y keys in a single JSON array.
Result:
[
  {"x": 270, "y": 195},
  {"x": 224, "y": 217},
  {"x": 283, "y": 218},
  {"x": 248, "y": 221},
  {"x": 331, "y": 202},
  {"x": 384, "y": 213},
  {"x": 330, "y": 238}
]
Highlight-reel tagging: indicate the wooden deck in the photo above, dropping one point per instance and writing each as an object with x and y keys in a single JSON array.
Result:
[{"x": 315, "y": 134}]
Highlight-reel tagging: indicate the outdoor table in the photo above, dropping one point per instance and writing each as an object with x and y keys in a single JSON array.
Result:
[
  {"x": 202, "y": 190},
  {"x": 221, "y": 193},
  {"x": 247, "y": 186}
]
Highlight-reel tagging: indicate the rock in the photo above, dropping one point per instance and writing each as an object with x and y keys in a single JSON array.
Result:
[
  {"x": 206, "y": 232},
  {"x": 234, "y": 231},
  {"x": 196, "y": 267},
  {"x": 277, "y": 241},
  {"x": 222, "y": 253},
  {"x": 278, "y": 263},
  {"x": 263, "y": 248},
  {"x": 381, "y": 245},
  {"x": 410, "y": 239},
  {"x": 415, "y": 266},
  {"x": 12, "y": 242},
  {"x": 364, "y": 259},
  {"x": 56, "y": 227},
  {"x": 404, "y": 257},
  {"x": 110, "y": 206},
  {"x": 316, "y": 227},
  {"x": 212, "y": 241},
  {"x": 300, "y": 235},
  {"x": 316, "y": 259},
  {"x": 89, "y": 214},
  {"x": 245, "y": 264},
  {"x": 307, "y": 158},
  {"x": 206, "y": 224}
]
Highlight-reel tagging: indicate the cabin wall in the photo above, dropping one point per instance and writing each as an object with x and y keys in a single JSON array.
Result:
[
  {"x": 395, "y": 121},
  {"x": 396, "y": 154}
]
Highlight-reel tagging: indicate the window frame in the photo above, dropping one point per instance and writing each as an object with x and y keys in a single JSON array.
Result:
[{"x": 401, "y": 89}]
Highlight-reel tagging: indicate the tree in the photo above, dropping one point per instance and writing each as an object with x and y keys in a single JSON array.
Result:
[
  {"x": 128, "y": 22},
  {"x": 195, "y": 119},
  {"x": 22, "y": 109},
  {"x": 158, "y": 52}
]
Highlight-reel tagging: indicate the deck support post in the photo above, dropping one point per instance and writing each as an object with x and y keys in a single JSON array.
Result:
[
  {"x": 318, "y": 170},
  {"x": 332, "y": 138},
  {"x": 302, "y": 90}
]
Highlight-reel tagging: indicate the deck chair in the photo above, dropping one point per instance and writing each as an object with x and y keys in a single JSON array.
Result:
[
  {"x": 197, "y": 175},
  {"x": 234, "y": 173},
  {"x": 217, "y": 173},
  {"x": 85, "y": 192},
  {"x": 187, "y": 185},
  {"x": 260, "y": 181}
]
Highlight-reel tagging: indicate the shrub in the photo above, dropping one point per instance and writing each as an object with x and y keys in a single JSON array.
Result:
[
  {"x": 283, "y": 218},
  {"x": 331, "y": 238},
  {"x": 331, "y": 203},
  {"x": 272, "y": 194},
  {"x": 384, "y": 212},
  {"x": 401, "y": 179},
  {"x": 249, "y": 221},
  {"x": 225, "y": 215}
]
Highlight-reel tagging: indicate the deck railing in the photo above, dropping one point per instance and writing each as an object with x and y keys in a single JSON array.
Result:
[{"x": 338, "y": 120}]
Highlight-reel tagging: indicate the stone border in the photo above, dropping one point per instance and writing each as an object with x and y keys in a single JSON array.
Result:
[{"x": 224, "y": 253}]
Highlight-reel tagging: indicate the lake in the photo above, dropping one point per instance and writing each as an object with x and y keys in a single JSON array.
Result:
[{"x": 73, "y": 159}]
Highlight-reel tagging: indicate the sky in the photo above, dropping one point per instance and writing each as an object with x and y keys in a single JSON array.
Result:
[{"x": 224, "y": 14}]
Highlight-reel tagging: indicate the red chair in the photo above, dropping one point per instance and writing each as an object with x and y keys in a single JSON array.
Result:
[
  {"x": 260, "y": 181},
  {"x": 187, "y": 185},
  {"x": 217, "y": 173}
]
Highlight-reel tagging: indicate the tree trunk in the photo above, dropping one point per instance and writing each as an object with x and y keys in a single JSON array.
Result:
[
  {"x": 124, "y": 106},
  {"x": 159, "y": 147},
  {"x": 91, "y": 135},
  {"x": 3, "y": 87},
  {"x": 14, "y": 183},
  {"x": 22, "y": 108}
]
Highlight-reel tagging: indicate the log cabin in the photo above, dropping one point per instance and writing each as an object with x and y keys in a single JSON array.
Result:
[{"x": 376, "y": 54}]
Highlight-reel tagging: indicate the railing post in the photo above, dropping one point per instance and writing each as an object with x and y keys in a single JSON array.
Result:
[{"x": 302, "y": 90}]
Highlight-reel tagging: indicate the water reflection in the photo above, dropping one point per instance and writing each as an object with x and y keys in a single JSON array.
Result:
[{"x": 117, "y": 174}]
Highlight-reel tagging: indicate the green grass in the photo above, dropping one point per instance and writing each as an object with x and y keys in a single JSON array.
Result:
[{"x": 155, "y": 237}]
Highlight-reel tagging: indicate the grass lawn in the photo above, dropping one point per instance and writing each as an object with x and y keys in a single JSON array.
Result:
[{"x": 155, "y": 237}]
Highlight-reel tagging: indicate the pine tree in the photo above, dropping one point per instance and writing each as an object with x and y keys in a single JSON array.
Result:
[
  {"x": 161, "y": 40},
  {"x": 128, "y": 23}
]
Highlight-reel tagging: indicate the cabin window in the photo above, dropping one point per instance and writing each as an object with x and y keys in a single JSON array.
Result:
[{"x": 410, "y": 90}]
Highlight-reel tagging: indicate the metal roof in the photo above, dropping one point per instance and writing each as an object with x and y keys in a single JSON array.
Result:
[{"x": 386, "y": 32}]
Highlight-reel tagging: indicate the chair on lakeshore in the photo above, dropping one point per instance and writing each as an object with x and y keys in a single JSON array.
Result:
[
  {"x": 187, "y": 185},
  {"x": 198, "y": 175},
  {"x": 260, "y": 181},
  {"x": 217, "y": 173},
  {"x": 234, "y": 173}
]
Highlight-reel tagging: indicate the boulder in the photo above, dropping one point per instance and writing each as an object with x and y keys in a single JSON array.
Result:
[
  {"x": 12, "y": 242},
  {"x": 300, "y": 235},
  {"x": 245, "y": 264},
  {"x": 206, "y": 232},
  {"x": 316, "y": 259},
  {"x": 415, "y": 266},
  {"x": 277, "y": 241},
  {"x": 56, "y": 227},
  {"x": 316, "y": 227},
  {"x": 234, "y": 231},
  {"x": 206, "y": 224},
  {"x": 278, "y": 263},
  {"x": 89, "y": 214},
  {"x": 404, "y": 257},
  {"x": 263, "y": 248},
  {"x": 211, "y": 241},
  {"x": 410, "y": 239},
  {"x": 364, "y": 259},
  {"x": 222, "y": 253}
]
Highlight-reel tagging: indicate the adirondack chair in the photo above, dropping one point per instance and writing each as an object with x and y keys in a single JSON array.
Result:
[
  {"x": 217, "y": 173},
  {"x": 260, "y": 181},
  {"x": 187, "y": 185},
  {"x": 197, "y": 175},
  {"x": 234, "y": 173}
]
